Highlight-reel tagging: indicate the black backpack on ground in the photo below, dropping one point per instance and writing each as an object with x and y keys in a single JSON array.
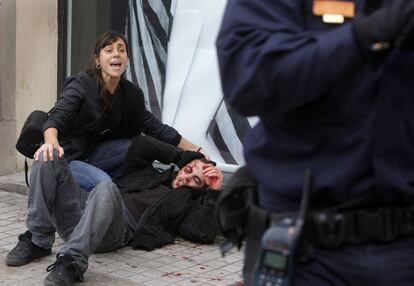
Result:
[{"x": 31, "y": 136}]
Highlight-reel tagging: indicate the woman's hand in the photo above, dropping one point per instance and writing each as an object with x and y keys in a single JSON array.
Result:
[
  {"x": 187, "y": 145},
  {"x": 213, "y": 177},
  {"x": 200, "y": 150},
  {"x": 47, "y": 149},
  {"x": 51, "y": 143}
]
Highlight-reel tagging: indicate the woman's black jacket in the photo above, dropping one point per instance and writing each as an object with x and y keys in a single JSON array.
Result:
[{"x": 78, "y": 113}]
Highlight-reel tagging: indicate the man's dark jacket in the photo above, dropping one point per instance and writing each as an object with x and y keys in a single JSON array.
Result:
[{"x": 184, "y": 211}]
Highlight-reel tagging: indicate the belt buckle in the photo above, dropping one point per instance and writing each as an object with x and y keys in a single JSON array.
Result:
[{"x": 331, "y": 229}]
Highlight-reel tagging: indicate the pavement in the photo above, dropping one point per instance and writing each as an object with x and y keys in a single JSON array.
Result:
[{"x": 183, "y": 263}]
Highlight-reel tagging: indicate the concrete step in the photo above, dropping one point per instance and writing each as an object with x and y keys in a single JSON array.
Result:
[{"x": 14, "y": 183}]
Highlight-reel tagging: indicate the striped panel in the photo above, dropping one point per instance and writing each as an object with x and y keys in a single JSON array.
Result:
[
  {"x": 226, "y": 131},
  {"x": 148, "y": 29}
]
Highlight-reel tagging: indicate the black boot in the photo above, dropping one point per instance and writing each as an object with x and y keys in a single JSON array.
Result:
[
  {"x": 25, "y": 251},
  {"x": 65, "y": 272}
]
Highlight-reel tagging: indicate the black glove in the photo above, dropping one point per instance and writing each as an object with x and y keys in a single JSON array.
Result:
[
  {"x": 406, "y": 40},
  {"x": 188, "y": 156},
  {"x": 383, "y": 26}
]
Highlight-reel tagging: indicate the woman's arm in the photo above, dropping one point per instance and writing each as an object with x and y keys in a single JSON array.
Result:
[
  {"x": 154, "y": 127},
  {"x": 166, "y": 133},
  {"x": 63, "y": 114},
  {"x": 186, "y": 145},
  {"x": 61, "y": 117}
]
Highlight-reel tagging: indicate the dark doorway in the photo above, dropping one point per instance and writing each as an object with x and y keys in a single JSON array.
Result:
[{"x": 80, "y": 23}]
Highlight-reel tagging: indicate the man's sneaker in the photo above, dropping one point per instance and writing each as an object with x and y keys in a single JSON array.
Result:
[
  {"x": 65, "y": 271},
  {"x": 25, "y": 251}
]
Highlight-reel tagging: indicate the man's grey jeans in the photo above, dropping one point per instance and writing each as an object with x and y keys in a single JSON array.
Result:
[{"x": 86, "y": 223}]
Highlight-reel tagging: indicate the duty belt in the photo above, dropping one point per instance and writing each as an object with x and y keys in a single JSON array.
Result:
[
  {"x": 332, "y": 230},
  {"x": 239, "y": 216},
  {"x": 359, "y": 226}
]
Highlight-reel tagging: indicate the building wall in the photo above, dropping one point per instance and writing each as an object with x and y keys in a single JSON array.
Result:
[
  {"x": 28, "y": 78},
  {"x": 7, "y": 85}
]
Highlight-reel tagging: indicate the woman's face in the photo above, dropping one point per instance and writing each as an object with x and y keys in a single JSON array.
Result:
[{"x": 113, "y": 59}]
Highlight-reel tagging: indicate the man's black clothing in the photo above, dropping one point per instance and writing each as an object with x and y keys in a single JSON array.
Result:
[
  {"x": 161, "y": 213},
  {"x": 184, "y": 211}
]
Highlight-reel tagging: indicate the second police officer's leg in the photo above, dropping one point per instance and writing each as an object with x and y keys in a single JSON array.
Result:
[
  {"x": 343, "y": 266},
  {"x": 380, "y": 264}
]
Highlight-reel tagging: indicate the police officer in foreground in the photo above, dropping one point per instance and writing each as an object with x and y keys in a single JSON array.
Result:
[{"x": 333, "y": 85}]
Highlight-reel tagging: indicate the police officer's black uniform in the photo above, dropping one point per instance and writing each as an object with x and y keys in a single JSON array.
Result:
[{"x": 337, "y": 98}]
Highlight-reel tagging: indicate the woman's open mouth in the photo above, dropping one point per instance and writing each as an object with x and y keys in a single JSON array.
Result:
[{"x": 116, "y": 66}]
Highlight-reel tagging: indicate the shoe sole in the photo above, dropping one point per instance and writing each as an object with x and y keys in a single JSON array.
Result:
[
  {"x": 20, "y": 262},
  {"x": 13, "y": 262},
  {"x": 56, "y": 282}
]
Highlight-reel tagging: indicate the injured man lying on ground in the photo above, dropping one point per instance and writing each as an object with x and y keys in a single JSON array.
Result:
[{"x": 162, "y": 204}]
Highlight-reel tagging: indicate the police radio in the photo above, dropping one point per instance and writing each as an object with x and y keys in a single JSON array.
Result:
[{"x": 275, "y": 265}]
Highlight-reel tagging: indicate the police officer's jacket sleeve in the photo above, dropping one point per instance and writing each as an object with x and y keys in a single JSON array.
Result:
[{"x": 270, "y": 62}]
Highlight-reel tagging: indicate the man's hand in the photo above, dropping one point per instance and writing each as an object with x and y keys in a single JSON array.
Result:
[
  {"x": 213, "y": 177},
  {"x": 380, "y": 30},
  {"x": 406, "y": 40}
]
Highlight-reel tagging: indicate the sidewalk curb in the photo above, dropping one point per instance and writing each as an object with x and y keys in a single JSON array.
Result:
[{"x": 14, "y": 183}]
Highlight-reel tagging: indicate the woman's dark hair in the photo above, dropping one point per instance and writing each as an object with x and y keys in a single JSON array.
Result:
[{"x": 105, "y": 39}]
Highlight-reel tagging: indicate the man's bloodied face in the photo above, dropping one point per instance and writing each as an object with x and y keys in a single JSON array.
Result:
[{"x": 191, "y": 175}]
